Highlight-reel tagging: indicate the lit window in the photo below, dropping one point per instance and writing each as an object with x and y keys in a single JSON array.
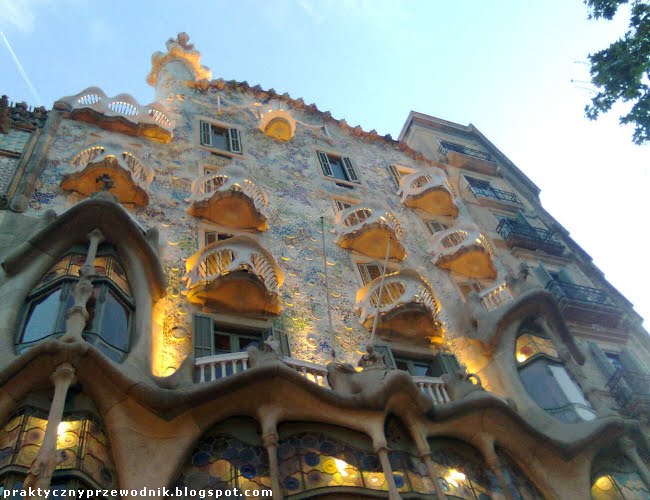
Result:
[
  {"x": 220, "y": 138},
  {"x": 110, "y": 307},
  {"x": 338, "y": 167},
  {"x": 529, "y": 345},
  {"x": 467, "y": 287}
]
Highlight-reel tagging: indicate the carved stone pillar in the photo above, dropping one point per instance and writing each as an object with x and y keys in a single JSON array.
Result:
[
  {"x": 424, "y": 452},
  {"x": 271, "y": 444},
  {"x": 486, "y": 446},
  {"x": 382, "y": 453},
  {"x": 42, "y": 468},
  {"x": 628, "y": 448},
  {"x": 77, "y": 315}
]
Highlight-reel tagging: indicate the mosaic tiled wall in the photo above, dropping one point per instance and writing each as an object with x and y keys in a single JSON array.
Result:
[{"x": 298, "y": 197}]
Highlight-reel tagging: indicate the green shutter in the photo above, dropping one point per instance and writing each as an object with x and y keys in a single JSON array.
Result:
[
  {"x": 385, "y": 351},
  {"x": 444, "y": 363},
  {"x": 234, "y": 140},
  {"x": 281, "y": 337},
  {"x": 601, "y": 360},
  {"x": 349, "y": 170},
  {"x": 325, "y": 163},
  {"x": 564, "y": 276},
  {"x": 629, "y": 361},
  {"x": 542, "y": 275},
  {"x": 206, "y": 133},
  {"x": 203, "y": 336}
]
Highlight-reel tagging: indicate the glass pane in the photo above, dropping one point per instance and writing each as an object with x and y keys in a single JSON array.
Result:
[
  {"x": 420, "y": 370},
  {"x": 245, "y": 342},
  {"x": 114, "y": 328},
  {"x": 336, "y": 164},
  {"x": 42, "y": 317},
  {"x": 221, "y": 344},
  {"x": 219, "y": 138},
  {"x": 57, "y": 270}
]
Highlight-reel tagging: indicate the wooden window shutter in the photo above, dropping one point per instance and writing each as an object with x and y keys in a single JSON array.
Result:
[
  {"x": 281, "y": 337},
  {"x": 444, "y": 363},
  {"x": 603, "y": 363},
  {"x": 349, "y": 170},
  {"x": 629, "y": 361},
  {"x": 395, "y": 175},
  {"x": 203, "y": 336},
  {"x": 325, "y": 163},
  {"x": 206, "y": 133},
  {"x": 234, "y": 140},
  {"x": 543, "y": 275}
]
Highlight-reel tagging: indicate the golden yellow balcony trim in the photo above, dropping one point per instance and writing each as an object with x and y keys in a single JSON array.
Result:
[
  {"x": 408, "y": 311},
  {"x": 429, "y": 191},
  {"x": 230, "y": 199},
  {"x": 464, "y": 250},
  {"x": 277, "y": 123},
  {"x": 367, "y": 228},
  {"x": 235, "y": 275}
]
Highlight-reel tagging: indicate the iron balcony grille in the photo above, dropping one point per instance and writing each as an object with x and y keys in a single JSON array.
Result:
[
  {"x": 494, "y": 194},
  {"x": 631, "y": 390},
  {"x": 562, "y": 290},
  {"x": 458, "y": 148},
  {"x": 527, "y": 236}
]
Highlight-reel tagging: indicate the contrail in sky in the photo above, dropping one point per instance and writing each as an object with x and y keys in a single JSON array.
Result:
[{"x": 22, "y": 70}]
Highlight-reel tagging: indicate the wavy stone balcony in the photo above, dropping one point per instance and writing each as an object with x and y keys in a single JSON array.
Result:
[
  {"x": 464, "y": 250},
  {"x": 230, "y": 199},
  {"x": 122, "y": 114},
  {"x": 408, "y": 310},
  {"x": 429, "y": 191},
  {"x": 367, "y": 228},
  {"x": 103, "y": 165},
  {"x": 277, "y": 123},
  {"x": 235, "y": 275}
]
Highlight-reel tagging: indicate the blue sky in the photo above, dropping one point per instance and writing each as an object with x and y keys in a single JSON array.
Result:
[{"x": 505, "y": 66}]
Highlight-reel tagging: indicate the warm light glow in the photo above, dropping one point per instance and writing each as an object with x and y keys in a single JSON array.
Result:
[
  {"x": 454, "y": 477},
  {"x": 62, "y": 428},
  {"x": 521, "y": 358},
  {"x": 341, "y": 466},
  {"x": 604, "y": 483}
]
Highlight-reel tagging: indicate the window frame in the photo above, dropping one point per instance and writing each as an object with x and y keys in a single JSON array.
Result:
[
  {"x": 396, "y": 172},
  {"x": 391, "y": 267},
  {"x": 92, "y": 333},
  {"x": 234, "y": 139},
  {"x": 347, "y": 166}
]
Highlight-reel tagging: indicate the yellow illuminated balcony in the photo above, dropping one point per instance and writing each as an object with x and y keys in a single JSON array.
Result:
[
  {"x": 408, "y": 310},
  {"x": 464, "y": 250},
  {"x": 277, "y": 122},
  {"x": 235, "y": 275},
  {"x": 367, "y": 228},
  {"x": 230, "y": 199},
  {"x": 121, "y": 114},
  {"x": 129, "y": 177},
  {"x": 429, "y": 191}
]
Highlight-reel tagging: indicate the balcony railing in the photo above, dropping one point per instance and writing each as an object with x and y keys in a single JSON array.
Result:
[
  {"x": 367, "y": 228},
  {"x": 399, "y": 289},
  {"x": 142, "y": 173},
  {"x": 526, "y": 236},
  {"x": 445, "y": 147},
  {"x": 631, "y": 390},
  {"x": 211, "y": 368},
  {"x": 123, "y": 106},
  {"x": 562, "y": 290},
  {"x": 493, "y": 298},
  {"x": 465, "y": 250},
  {"x": 428, "y": 190},
  {"x": 585, "y": 304},
  {"x": 495, "y": 194}
]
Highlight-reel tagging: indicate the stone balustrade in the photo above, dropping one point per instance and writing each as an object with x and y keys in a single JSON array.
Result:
[
  {"x": 142, "y": 173},
  {"x": 495, "y": 297},
  {"x": 465, "y": 250}
]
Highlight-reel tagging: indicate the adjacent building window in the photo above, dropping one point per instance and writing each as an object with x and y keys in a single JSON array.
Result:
[
  {"x": 111, "y": 306},
  {"x": 547, "y": 381},
  {"x": 338, "y": 167},
  {"x": 220, "y": 137}
]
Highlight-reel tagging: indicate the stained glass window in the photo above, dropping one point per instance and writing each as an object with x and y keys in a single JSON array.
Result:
[
  {"x": 519, "y": 485},
  {"x": 81, "y": 441},
  {"x": 529, "y": 345},
  {"x": 230, "y": 456},
  {"x": 616, "y": 478},
  {"x": 110, "y": 307}
]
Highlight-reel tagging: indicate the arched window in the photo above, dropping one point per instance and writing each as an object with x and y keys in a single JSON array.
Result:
[
  {"x": 81, "y": 441},
  {"x": 230, "y": 456},
  {"x": 519, "y": 485},
  {"x": 111, "y": 306},
  {"x": 615, "y": 478},
  {"x": 546, "y": 379}
]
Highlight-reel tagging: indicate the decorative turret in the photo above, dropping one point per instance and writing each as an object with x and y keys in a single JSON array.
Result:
[{"x": 181, "y": 62}]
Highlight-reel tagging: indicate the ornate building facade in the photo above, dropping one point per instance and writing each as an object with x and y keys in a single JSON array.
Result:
[{"x": 229, "y": 288}]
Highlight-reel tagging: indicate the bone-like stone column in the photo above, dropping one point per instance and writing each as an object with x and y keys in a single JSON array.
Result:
[
  {"x": 42, "y": 468},
  {"x": 270, "y": 441},
  {"x": 628, "y": 448},
  {"x": 77, "y": 315},
  {"x": 381, "y": 449},
  {"x": 424, "y": 452}
]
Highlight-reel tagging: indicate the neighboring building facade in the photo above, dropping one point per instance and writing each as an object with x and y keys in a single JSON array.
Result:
[{"x": 188, "y": 287}]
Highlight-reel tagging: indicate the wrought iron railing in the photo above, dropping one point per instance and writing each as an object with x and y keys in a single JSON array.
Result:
[
  {"x": 631, "y": 390},
  {"x": 467, "y": 151},
  {"x": 562, "y": 290},
  {"x": 494, "y": 194},
  {"x": 511, "y": 229}
]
